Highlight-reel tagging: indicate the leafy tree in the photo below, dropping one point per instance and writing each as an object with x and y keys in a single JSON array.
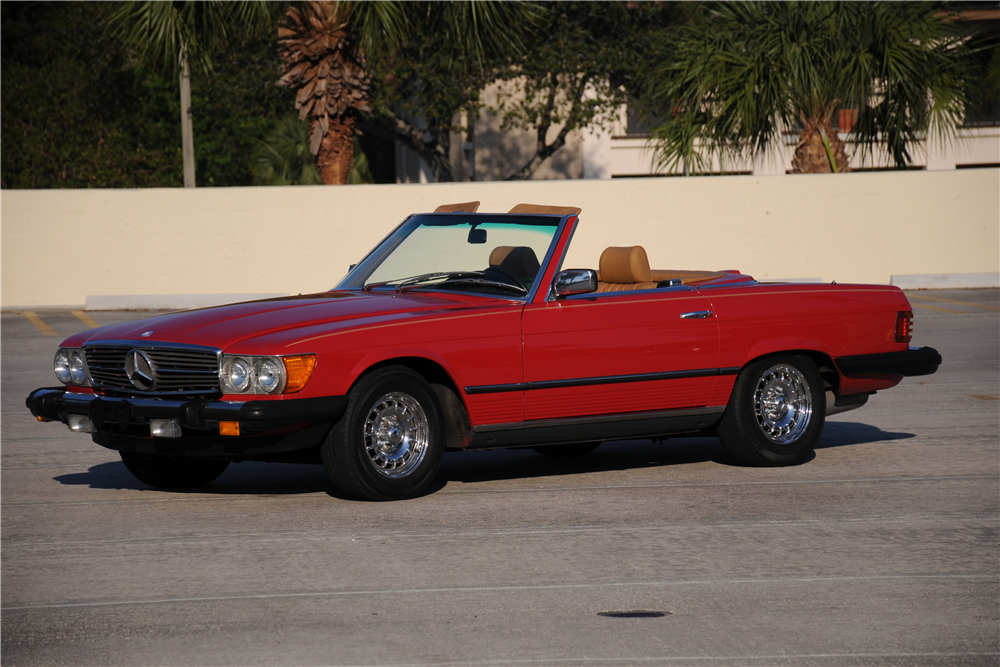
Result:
[
  {"x": 236, "y": 106},
  {"x": 79, "y": 111},
  {"x": 582, "y": 65},
  {"x": 176, "y": 35},
  {"x": 452, "y": 51},
  {"x": 745, "y": 72},
  {"x": 283, "y": 156},
  {"x": 74, "y": 113}
]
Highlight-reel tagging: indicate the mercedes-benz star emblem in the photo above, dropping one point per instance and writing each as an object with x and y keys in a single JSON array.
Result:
[{"x": 139, "y": 370}]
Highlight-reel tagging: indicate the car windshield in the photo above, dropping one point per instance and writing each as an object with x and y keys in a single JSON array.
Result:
[{"x": 496, "y": 255}]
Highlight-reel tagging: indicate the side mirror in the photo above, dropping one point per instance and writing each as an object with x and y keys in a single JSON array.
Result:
[{"x": 574, "y": 281}]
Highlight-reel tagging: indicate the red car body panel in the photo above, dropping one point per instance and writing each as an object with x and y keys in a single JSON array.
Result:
[{"x": 618, "y": 335}]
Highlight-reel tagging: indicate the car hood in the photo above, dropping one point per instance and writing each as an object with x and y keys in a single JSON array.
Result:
[{"x": 225, "y": 326}]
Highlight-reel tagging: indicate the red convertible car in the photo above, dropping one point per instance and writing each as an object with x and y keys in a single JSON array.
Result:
[{"x": 462, "y": 330}]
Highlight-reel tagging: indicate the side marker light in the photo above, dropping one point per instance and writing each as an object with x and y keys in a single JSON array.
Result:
[{"x": 229, "y": 428}]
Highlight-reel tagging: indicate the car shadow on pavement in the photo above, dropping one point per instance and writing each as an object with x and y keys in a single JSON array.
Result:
[
  {"x": 844, "y": 434},
  {"x": 252, "y": 478},
  {"x": 510, "y": 464},
  {"x": 240, "y": 478},
  {"x": 630, "y": 455}
]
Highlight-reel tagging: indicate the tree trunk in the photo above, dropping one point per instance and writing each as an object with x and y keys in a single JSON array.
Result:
[
  {"x": 811, "y": 156},
  {"x": 336, "y": 151},
  {"x": 187, "y": 130}
]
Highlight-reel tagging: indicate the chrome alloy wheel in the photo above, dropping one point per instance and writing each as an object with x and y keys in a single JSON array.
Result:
[
  {"x": 396, "y": 434},
  {"x": 782, "y": 403}
]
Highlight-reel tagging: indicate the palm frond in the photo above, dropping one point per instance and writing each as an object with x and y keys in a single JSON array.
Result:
[
  {"x": 283, "y": 156},
  {"x": 749, "y": 69},
  {"x": 159, "y": 32}
]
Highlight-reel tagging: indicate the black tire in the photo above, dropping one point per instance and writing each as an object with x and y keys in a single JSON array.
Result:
[
  {"x": 776, "y": 412},
  {"x": 576, "y": 449},
  {"x": 173, "y": 472},
  {"x": 389, "y": 443}
]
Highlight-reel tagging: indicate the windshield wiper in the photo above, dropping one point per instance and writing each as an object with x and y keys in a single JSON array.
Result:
[
  {"x": 490, "y": 283},
  {"x": 422, "y": 278}
]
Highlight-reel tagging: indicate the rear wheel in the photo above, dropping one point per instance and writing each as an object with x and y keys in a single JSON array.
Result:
[
  {"x": 173, "y": 472},
  {"x": 776, "y": 412},
  {"x": 389, "y": 444}
]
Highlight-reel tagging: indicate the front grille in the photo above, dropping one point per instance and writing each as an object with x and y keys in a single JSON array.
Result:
[{"x": 176, "y": 369}]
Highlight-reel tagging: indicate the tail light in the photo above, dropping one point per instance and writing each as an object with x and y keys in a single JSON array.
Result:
[{"x": 904, "y": 326}]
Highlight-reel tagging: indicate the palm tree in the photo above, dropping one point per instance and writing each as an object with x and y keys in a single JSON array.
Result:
[
  {"x": 320, "y": 42},
  {"x": 177, "y": 35},
  {"x": 743, "y": 74},
  {"x": 324, "y": 45}
]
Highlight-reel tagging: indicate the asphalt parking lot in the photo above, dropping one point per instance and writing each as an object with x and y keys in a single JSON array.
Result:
[{"x": 883, "y": 549}]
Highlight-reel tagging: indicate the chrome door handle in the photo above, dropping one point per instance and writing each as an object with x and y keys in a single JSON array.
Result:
[{"x": 696, "y": 315}]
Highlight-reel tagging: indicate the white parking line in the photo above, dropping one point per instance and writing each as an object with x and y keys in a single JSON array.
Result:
[{"x": 512, "y": 588}]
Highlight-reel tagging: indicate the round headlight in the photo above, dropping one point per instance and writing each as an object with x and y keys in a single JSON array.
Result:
[
  {"x": 77, "y": 373},
  {"x": 61, "y": 366},
  {"x": 270, "y": 375},
  {"x": 236, "y": 373}
]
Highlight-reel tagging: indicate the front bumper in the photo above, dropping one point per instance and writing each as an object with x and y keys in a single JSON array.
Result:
[
  {"x": 908, "y": 363},
  {"x": 123, "y": 423}
]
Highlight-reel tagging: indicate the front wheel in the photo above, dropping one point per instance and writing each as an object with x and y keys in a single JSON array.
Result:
[
  {"x": 776, "y": 412},
  {"x": 173, "y": 472},
  {"x": 388, "y": 445}
]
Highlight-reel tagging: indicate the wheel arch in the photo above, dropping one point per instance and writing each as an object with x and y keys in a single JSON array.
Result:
[
  {"x": 824, "y": 363},
  {"x": 454, "y": 413}
]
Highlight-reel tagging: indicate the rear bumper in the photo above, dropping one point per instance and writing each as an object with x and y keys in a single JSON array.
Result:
[
  {"x": 908, "y": 363},
  {"x": 123, "y": 423}
]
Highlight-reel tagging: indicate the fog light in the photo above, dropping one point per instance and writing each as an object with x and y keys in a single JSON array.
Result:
[
  {"x": 80, "y": 424},
  {"x": 164, "y": 428},
  {"x": 229, "y": 428}
]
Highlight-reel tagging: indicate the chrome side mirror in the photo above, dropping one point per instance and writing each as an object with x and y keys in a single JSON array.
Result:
[{"x": 574, "y": 281}]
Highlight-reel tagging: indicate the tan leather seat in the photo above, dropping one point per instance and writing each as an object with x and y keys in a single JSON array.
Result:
[{"x": 624, "y": 269}]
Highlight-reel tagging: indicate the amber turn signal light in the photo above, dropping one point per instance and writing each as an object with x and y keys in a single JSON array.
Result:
[
  {"x": 229, "y": 428},
  {"x": 904, "y": 326},
  {"x": 298, "y": 370}
]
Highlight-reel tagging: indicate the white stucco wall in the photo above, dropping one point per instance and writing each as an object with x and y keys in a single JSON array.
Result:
[{"x": 60, "y": 247}]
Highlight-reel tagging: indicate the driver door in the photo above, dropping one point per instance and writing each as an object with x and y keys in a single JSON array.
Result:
[{"x": 618, "y": 353}]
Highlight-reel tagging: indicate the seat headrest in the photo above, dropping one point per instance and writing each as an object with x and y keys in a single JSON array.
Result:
[
  {"x": 625, "y": 265},
  {"x": 519, "y": 260}
]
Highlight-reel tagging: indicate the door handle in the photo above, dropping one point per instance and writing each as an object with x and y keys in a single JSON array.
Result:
[{"x": 696, "y": 315}]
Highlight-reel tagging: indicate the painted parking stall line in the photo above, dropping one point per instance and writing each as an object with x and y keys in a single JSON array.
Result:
[
  {"x": 39, "y": 323},
  {"x": 85, "y": 318}
]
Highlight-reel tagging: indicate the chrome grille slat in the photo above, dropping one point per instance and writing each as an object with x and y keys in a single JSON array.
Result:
[{"x": 178, "y": 370}]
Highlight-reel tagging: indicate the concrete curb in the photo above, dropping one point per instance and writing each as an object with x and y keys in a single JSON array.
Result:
[{"x": 947, "y": 280}]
